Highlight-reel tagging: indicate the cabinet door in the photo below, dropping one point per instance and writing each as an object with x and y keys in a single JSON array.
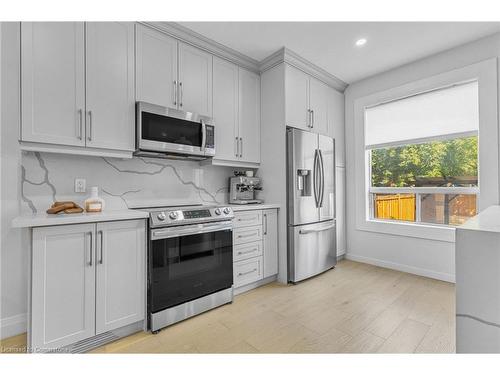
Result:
[
  {"x": 225, "y": 97},
  {"x": 336, "y": 124},
  {"x": 249, "y": 116},
  {"x": 63, "y": 285},
  {"x": 110, "y": 91},
  {"x": 270, "y": 242},
  {"x": 121, "y": 274},
  {"x": 52, "y": 82},
  {"x": 296, "y": 98},
  {"x": 195, "y": 80},
  {"x": 340, "y": 210},
  {"x": 156, "y": 67},
  {"x": 318, "y": 103}
]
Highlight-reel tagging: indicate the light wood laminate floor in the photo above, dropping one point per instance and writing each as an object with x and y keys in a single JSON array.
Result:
[{"x": 355, "y": 308}]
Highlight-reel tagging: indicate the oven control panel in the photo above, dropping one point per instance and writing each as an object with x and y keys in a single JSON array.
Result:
[{"x": 187, "y": 215}]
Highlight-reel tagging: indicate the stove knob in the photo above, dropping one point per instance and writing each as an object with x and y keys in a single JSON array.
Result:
[
  {"x": 217, "y": 211},
  {"x": 162, "y": 216},
  {"x": 227, "y": 210},
  {"x": 172, "y": 215}
]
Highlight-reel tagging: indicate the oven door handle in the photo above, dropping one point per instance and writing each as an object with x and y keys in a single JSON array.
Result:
[{"x": 158, "y": 234}]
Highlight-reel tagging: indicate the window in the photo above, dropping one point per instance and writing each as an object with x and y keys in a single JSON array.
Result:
[{"x": 422, "y": 157}]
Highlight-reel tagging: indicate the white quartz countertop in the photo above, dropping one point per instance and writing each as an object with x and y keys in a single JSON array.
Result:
[
  {"x": 255, "y": 206},
  {"x": 488, "y": 221},
  {"x": 42, "y": 220}
]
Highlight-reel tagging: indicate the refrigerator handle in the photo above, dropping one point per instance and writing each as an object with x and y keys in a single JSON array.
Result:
[
  {"x": 322, "y": 187},
  {"x": 315, "y": 178}
]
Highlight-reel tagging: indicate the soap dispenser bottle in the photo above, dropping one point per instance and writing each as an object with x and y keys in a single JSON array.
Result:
[{"x": 94, "y": 203}]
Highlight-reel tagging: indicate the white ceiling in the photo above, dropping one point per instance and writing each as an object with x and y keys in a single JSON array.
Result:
[{"x": 330, "y": 45}]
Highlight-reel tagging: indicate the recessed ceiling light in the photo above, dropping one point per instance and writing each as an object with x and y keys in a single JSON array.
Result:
[{"x": 360, "y": 42}]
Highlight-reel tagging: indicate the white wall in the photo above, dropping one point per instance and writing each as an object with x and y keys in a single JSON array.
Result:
[
  {"x": 31, "y": 181},
  {"x": 421, "y": 256}
]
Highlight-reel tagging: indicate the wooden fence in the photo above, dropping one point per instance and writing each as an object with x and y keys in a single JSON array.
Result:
[{"x": 395, "y": 207}]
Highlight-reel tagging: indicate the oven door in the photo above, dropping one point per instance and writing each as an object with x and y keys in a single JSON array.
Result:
[
  {"x": 189, "y": 262},
  {"x": 169, "y": 130}
]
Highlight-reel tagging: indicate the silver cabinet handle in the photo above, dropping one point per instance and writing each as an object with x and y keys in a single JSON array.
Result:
[
  {"x": 102, "y": 248},
  {"x": 241, "y": 147},
  {"x": 246, "y": 252},
  {"x": 89, "y": 137},
  {"x": 246, "y": 235},
  {"x": 265, "y": 223},
  {"x": 180, "y": 94},
  {"x": 246, "y": 273},
  {"x": 91, "y": 247},
  {"x": 80, "y": 114},
  {"x": 308, "y": 122},
  {"x": 237, "y": 146},
  {"x": 312, "y": 118},
  {"x": 175, "y": 92}
]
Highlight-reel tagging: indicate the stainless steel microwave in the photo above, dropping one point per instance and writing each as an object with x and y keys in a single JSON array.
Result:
[{"x": 168, "y": 132}]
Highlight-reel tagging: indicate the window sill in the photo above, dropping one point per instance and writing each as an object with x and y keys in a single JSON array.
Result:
[{"x": 406, "y": 229}]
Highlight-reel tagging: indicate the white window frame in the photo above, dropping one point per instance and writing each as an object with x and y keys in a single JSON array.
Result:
[{"x": 485, "y": 73}]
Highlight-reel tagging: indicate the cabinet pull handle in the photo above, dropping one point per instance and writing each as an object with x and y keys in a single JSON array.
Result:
[
  {"x": 90, "y": 126},
  {"x": 246, "y": 273},
  {"x": 101, "y": 236},
  {"x": 237, "y": 146},
  {"x": 241, "y": 147},
  {"x": 265, "y": 223},
  {"x": 246, "y": 252},
  {"x": 312, "y": 118},
  {"x": 180, "y": 93},
  {"x": 91, "y": 247},
  {"x": 175, "y": 92},
  {"x": 308, "y": 118},
  {"x": 80, "y": 115},
  {"x": 246, "y": 235}
]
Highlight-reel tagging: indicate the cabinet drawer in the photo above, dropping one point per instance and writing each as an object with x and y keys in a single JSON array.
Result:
[
  {"x": 247, "y": 271},
  {"x": 247, "y": 234},
  {"x": 247, "y": 218},
  {"x": 247, "y": 250}
]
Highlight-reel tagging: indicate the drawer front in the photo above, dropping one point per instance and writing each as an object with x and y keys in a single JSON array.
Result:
[
  {"x": 247, "y": 234},
  {"x": 247, "y": 250},
  {"x": 248, "y": 271},
  {"x": 247, "y": 218}
]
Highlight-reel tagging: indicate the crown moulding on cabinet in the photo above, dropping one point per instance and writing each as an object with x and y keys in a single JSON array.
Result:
[{"x": 282, "y": 55}]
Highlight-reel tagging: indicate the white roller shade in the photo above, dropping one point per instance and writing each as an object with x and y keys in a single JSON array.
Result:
[{"x": 441, "y": 114}]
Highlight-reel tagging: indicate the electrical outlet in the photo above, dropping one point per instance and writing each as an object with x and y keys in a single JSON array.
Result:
[{"x": 80, "y": 185}]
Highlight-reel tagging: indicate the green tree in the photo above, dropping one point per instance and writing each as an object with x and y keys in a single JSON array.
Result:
[{"x": 401, "y": 166}]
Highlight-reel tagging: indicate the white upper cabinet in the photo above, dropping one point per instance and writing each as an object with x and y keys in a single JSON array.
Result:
[
  {"x": 75, "y": 94},
  {"x": 336, "y": 124},
  {"x": 297, "y": 98},
  {"x": 225, "y": 110},
  {"x": 318, "y": 105},
  {"x": 63, "y": 285},
  {"x": 195, "y": 80},
  {"x": 121, "y": 274},
  {"x": 110, "y": 92},
  {"x": 249, "y": 116},
  {"x": 156, "y": 67},
  {"x": 53, "y": 82}
]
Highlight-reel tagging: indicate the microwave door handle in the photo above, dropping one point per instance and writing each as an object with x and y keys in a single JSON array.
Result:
[{"x": 203, "y": 135}]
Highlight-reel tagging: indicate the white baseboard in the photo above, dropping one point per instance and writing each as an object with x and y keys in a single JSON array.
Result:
[
  {"x": 402, "y": 267},
  {"x": 13, "y": 325}
]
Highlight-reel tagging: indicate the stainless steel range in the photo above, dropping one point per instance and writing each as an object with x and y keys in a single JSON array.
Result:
[{"x": 190, "y": 260}]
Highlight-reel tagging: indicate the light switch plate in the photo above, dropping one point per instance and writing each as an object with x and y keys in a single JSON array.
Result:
[{"x": 80, "y": 185}]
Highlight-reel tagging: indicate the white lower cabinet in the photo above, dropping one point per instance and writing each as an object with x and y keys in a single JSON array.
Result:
[
  {"x": 255, "y": 250},
  {"x": 86, "y": 279}
]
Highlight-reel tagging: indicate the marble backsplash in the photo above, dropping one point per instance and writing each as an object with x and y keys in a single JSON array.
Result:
[{"x": 123, "y": 183}]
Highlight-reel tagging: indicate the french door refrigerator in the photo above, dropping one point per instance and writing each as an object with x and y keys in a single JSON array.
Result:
[{"x": 312, "y": 246}]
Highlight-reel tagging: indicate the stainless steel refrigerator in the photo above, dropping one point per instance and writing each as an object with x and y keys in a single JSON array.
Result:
[{"x": 312, "y": 246}]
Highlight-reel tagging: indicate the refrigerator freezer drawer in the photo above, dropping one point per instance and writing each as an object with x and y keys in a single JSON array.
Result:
[{"x": 312, "y": 249}]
